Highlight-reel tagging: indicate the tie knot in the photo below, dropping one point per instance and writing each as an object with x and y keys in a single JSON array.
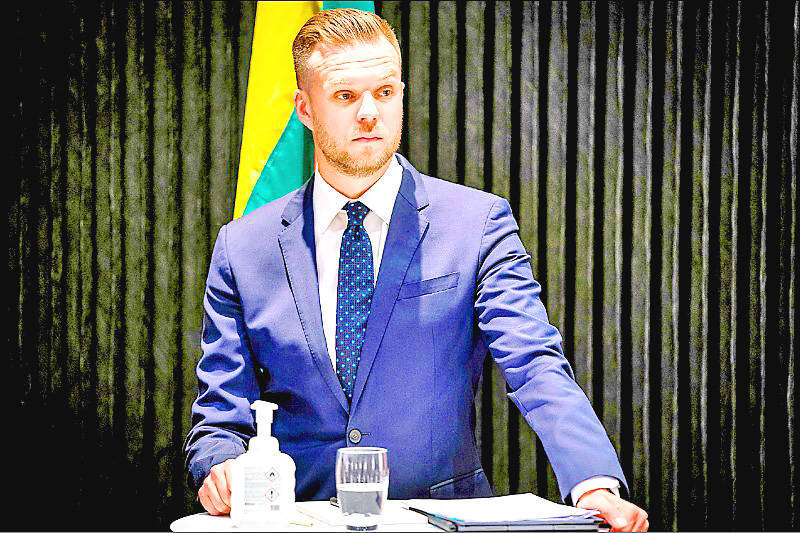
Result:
[{"x": 356, "y": 211}]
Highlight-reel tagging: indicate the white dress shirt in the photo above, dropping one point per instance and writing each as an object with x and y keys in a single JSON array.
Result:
[{"x": 330, "y": 221}]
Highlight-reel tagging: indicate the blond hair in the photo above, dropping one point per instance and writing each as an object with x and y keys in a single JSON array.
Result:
[{"x": 338, "y": 26}]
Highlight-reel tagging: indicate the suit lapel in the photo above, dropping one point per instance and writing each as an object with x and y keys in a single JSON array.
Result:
[
  {"x": 406, "y": 230},
  {"x": 298, "y": 249}
]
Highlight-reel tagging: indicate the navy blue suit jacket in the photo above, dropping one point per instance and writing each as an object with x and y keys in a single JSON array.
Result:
[{"x": 454, "y": 282}]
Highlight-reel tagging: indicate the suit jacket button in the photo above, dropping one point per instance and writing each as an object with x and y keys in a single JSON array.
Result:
[{"x": 354, "y": 436}]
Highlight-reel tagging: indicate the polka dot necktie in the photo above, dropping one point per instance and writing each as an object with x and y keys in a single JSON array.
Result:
[{"x": 354, "y": 295}]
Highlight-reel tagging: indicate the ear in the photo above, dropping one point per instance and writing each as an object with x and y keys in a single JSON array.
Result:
[{"x": 302, "y": 105}]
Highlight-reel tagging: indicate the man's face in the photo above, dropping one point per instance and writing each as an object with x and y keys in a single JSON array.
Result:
[{"x": 352, "y": 101}]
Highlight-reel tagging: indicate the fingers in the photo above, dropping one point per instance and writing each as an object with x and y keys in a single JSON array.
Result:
[
  {"x": 636, "y": 520},
  {"x": 215, "y": 494},
  {"x": 613, "y": 510},
  {"x": 206, "y": 502},
  {"x": 618, "y": 522},
  {"x": 209, "y": 497},
  {"x": 621, "y": 515},
  {"x": 227, "y": 467},
  {"x": 210, "y": 504},
  {"x": 642, "y": 523},
  {"x": 221, "y": 482}
]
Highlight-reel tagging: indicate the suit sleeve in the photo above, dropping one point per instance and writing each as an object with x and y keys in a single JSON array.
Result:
[
  {"x": 221, "y": 416},
  {"x": 527, "y": 348}
]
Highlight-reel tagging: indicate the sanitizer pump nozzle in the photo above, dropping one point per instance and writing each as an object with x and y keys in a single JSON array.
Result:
[{"x": 264, "y": 439}]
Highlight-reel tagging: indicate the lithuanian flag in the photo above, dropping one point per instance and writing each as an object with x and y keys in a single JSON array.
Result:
[{"x": 277, "y": 150}]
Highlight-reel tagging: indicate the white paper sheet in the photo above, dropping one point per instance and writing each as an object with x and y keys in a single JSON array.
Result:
[{"x": 512, "y": 508}]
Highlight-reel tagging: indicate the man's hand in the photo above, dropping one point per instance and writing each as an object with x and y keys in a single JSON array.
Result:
[
  {"x": 215, "y": 494},
  {"x": 620, "y": 514}
]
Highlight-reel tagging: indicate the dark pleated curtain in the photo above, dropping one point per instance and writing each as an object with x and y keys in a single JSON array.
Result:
[
  {"x": 649, "y": 152},
  {"x": 130, "y": 121}
]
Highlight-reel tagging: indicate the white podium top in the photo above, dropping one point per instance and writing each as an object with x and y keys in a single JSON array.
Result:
[{"x": 313, "y": 516}]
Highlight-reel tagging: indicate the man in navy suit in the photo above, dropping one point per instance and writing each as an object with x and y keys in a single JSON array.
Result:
[{"x": 364, "y": 303}]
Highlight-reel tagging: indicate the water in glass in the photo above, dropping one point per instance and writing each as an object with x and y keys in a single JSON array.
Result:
[{"x": 362, "y": 483}]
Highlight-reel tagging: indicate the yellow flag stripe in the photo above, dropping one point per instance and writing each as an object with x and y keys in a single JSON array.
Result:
[{"x": 270, "y": 88}]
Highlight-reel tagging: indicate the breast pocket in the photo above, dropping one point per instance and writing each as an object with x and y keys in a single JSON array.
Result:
[{"x": 412, "y": 289}]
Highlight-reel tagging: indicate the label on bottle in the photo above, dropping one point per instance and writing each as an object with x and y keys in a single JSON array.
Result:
[
  {"x": 255, "y": 487},
  {"x": 261, "y": 489}
]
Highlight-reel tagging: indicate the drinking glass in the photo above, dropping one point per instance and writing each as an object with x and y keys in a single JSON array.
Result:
[{"x": 362, "y": 483}]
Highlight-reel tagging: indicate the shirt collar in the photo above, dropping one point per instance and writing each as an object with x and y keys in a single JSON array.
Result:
[{"x": 379, "y": 198}]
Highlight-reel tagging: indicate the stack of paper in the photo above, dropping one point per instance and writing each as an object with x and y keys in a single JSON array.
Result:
[{"x": 517, "y": 512}]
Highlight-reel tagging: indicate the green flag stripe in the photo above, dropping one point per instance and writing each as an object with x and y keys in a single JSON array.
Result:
[
  {"x": 289, "y": 165},
  {"x": 364, "y": 6}
]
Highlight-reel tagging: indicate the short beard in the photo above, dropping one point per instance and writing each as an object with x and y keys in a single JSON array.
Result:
[{"x": 344, "y": 162}]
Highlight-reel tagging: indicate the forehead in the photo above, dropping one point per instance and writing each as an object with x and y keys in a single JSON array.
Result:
[{"x": 332, "y": 64}]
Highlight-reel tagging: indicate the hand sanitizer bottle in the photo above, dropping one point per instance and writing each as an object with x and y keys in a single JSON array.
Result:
[{"x": 262, "y": 489}]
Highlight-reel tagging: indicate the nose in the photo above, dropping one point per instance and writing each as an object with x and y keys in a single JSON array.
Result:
[{"x": 368, "y": 112}]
